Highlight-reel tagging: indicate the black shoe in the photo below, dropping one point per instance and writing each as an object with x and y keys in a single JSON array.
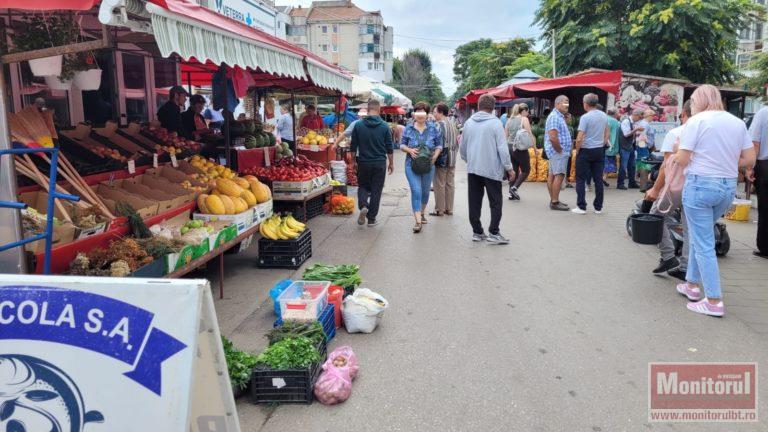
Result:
[
  {"x": 760, "y": 254},
  {"x": 621, "y": 187},
  {"x": 634, "y": 186},
  {"x": 605, "y": 183},
  {"x": 665, "y": 265},
  {"x": 513, "y": 195},
  {"x": 678, "y": 273}
]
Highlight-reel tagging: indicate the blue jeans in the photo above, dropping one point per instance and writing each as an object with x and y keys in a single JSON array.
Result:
[
  {"x": 705, "y": 199},
  {"x": 420, "y": 185},
  {"x": 627, "y": 168}
]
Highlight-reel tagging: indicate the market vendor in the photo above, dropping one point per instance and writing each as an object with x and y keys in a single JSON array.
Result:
[
  {"x": 285, "y": 125},
  {"x": 169, "y": 114},
  {"x": 192, "y": 119},
  {"x": 312, "y": 120}
]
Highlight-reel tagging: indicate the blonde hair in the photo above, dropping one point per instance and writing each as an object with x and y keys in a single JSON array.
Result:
[
  {"x": 515, "y": 110},
  {"x": 706, "y": 98}
]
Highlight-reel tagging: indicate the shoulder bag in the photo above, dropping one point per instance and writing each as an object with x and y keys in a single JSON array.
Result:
[{"x": 422, "y": 163}]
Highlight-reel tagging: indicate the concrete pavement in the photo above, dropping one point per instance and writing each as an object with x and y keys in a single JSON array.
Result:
[{"x": 553, "y": 332}]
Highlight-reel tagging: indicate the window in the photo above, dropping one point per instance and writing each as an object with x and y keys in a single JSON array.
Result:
[
  {"x": 325, "y": 47},
  {"x": 334, "y": 48},
  {"x": 366, "y": 48},
  {"x": 325, "y": 29},
  {"x": 370, "y": 66},
  {"x": 292, "y": 30},
  {"x": 335, "y": 28}
]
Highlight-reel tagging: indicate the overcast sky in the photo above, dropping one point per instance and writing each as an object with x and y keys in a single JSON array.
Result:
[{"x": 439, "y": 26}]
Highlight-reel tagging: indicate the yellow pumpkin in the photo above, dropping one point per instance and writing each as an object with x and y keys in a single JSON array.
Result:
[
  {"x": 229, "y": 206},
  {"x": 214, "y": 205},
  {"x": 249, "y": 198}
]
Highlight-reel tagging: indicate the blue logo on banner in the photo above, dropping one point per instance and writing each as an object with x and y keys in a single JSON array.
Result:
[{"x": 90, "y": 321}]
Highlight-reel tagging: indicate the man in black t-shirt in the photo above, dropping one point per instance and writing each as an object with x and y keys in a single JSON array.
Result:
[{"x": 169, "y": 114}]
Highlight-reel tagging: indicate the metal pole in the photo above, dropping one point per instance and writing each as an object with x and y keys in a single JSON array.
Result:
[
  {"x": 554, "y": 57},
  {"x": 189, "y": 82},
  {"x": 11, "y": 260},
  {"x": 293, "y": 120}
]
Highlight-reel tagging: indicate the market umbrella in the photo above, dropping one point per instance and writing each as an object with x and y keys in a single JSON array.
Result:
[
  {"x": 397, "y": 98},
  {"x": 361, "y": 87}
]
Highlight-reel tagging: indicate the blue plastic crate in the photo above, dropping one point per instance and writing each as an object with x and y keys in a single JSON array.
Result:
[
  {"x": 327, "y": 321},
  {"x": 275, "y": 292}
]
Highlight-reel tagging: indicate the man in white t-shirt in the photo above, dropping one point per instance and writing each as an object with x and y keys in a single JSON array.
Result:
[{"x": 668, "y": 262}]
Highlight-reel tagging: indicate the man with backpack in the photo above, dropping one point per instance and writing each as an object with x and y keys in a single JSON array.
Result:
[
  {"x": 372, "y": 142},
  {"x": 629, "y": 131},
  {"x": 484, "y": 147}
]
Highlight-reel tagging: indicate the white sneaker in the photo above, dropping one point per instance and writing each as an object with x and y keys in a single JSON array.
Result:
[
  {"x": 579, "y": 211},
  {"x": 598, "y": 212}
]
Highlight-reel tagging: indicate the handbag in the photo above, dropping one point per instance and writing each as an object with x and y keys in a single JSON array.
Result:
[
  {"x": 671, "y": 195},
  {"x": 422, "y": 163},
  {"x": 523, "y": 140}
]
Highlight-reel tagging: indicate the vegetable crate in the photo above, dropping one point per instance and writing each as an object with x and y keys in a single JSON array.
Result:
[
  {"x": 327, "y": 321},
  {"x": 285, "y": 253},
  {"x": 315, "y": 206},
  {"x": 304, "y": 301},
  {"x": 294, "y": 385}
]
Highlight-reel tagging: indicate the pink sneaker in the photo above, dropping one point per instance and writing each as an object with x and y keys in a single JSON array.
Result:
[
  {"x": 693, "y": 293},
  {"x": 706, "y": 308}
]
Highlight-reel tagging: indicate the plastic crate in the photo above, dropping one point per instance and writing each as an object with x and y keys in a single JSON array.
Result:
[
  {"x": 289, "y": 262},
  {"x": 315, "y": 206},
  {"x": 327, "y": 321},
  {"x": 293, "y": 307},
  {"x": 275, "y": 292},
  {"x": 286, "y": 247},
  {"x": 287, "y": 385}
]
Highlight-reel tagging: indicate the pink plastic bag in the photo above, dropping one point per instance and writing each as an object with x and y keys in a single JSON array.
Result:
[{"x": 335, "y": 383}]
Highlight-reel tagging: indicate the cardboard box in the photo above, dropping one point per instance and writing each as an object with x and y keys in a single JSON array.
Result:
[
  {"x": 225, "y": 232},
  {"x": 262, "y": 211},
  {"x": 187, "y": 254},
  {"x": 242, "y": 221},
  {"x": 175, "y": 175},
  {"x": 39, "y": 201},
  {"x": 165, "y": 201},
  {"x": 62, "y": 234},
  {"x": 165, "y": 185},
  {"x": 299, "y": 190},
  {"x": 111, "y": 196}
]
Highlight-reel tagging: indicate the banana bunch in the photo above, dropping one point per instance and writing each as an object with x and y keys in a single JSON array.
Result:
[{"x": 281, "y": 228}]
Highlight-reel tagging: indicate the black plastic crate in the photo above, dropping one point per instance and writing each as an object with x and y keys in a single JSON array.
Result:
[
  {"x": 289, "y": 262},
  {"x": 287, "y": 385},
  {"x": 315, "y": 206},
  {"x": 286, "y": 247}
]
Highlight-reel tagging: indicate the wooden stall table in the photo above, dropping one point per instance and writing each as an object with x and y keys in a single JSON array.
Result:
[{"x": 218, "y": 252}]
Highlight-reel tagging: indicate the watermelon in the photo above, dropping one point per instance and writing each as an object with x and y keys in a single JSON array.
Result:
[
  {"x": 250, "y": 142},
  {"x": 272, "y": 140}
]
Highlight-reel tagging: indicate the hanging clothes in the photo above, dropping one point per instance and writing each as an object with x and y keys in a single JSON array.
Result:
[
  {"x": 242, "y": 81},
  {"x": 219, "y": 85}
]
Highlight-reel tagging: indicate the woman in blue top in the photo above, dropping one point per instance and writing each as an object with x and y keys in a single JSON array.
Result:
[{"x": 420, "y": 132}]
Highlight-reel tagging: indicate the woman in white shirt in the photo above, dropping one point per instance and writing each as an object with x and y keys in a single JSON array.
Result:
[{"x": 713, "y": 146}]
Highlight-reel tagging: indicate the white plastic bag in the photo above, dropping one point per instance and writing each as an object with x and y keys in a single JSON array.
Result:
[
  {"x": 339, "y": 171},
  {"x": 363, "y": 311}
]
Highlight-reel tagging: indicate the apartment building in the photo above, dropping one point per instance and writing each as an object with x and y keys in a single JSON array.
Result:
[{"x": 346, "y": 35}]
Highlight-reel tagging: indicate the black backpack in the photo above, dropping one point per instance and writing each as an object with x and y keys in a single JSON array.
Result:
[{"x": 422, "y": 163}]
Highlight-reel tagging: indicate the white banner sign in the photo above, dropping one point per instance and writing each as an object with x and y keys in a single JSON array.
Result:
[{"x": 111, "y": 354}]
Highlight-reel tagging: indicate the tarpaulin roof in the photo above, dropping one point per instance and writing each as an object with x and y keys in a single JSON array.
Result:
[
  {"x": 500, "y": 93},
  {"x": 192, "y": 31},
  {"x": 39, "y": 5},
  {"x": 609, "y": 82}
]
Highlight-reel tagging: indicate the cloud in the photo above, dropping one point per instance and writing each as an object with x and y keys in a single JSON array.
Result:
[{"x": 439, "y": 26}]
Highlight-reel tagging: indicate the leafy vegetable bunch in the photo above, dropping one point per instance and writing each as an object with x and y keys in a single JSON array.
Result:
[
  {"x": 293, "y": 352},
  {"x": 344, "y": 275},
  {"x": 239, "y": 363}
]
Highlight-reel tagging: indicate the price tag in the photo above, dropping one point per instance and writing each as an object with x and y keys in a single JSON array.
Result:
[
  {"x": 174, "y": 162},
  {"x": 154, "y": 160},
  {"x": 131, "y": 166},
  {"x": 266, "y": 157}
]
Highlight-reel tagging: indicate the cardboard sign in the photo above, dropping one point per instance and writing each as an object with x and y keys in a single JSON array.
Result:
[
  {"x": 113, "y": 354},
  {"x": 132, "y": 167}
]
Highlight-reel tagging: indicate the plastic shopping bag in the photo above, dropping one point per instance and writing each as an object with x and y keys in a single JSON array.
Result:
[
  {"x": 363, "y": 311},
  {"x": 335, "y": 383}
]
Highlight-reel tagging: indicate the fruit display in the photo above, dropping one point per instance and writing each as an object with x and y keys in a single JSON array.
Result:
[
  {"x": 208, "y": 170},
  {"x": 281, "y": 228},
  {"x": 342, "y": 205},
  {"x": 283, "y": 150},
  {"x": 256, "y": 136},
  {"x": 233, "y": 196},
  {"x": 173, "y": 143},
  {"x": 313, "y": 138},
  {"x": 294, "y": 169},
  {"x": 351, "y": 175}
]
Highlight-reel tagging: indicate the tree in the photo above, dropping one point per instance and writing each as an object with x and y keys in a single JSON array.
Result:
[
  {"x": 534, "y": 61},
  {"x": 461, "y": 58},
  {"x": 691, "y": 39},
  {"x": 758, "y": 82},
  {"x": 412, "y": 75},
  {"x": 483, "y": 63}
]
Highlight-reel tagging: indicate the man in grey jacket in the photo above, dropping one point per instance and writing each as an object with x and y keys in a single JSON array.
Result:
[{"x": 484, "y": 148}]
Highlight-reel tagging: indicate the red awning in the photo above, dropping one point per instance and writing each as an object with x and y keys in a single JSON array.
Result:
[
  {"x": 609, "y": 82},
  {"x": 393, "y": 109},
  {"x": 500, "y": 93},
  {"x": 44, "y": 5}
]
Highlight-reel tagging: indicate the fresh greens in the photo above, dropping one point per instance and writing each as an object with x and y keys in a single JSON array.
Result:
[
  {"x": 344, "y": 275},
  {"x": 289, "y": 353},
  {"x": 311, "y": 330},
  {"x": 239, "y": 363}
]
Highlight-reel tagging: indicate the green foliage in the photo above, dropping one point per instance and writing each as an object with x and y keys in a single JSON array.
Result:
[
  {"x": 534, "y": 61},
  {"x": 757, "y": 83},
  {"x": 691, "y": 39},
  {"x": 412, "y": 75},
  {"x": 290, "y": 329},
  {"x": 289, "y": 353},
  {"x": 345, "y": 275},
  {"x": 239, "y": 364},
  {"x": 44, "y": 31},
  {"x": 487, "y": 65}
]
